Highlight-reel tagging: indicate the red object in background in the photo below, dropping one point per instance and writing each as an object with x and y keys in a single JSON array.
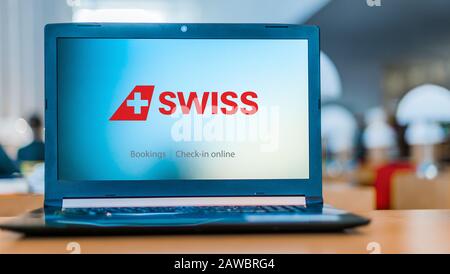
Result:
[{"x": 383, "y": 181}]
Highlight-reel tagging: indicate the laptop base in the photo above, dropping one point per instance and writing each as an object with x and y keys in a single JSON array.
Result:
[{"x": 53, "y": 223}]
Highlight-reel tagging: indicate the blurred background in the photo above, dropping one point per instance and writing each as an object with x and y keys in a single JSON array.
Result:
[{"x": 385, "y": 80}]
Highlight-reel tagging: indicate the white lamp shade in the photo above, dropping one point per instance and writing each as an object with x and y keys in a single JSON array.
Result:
[
  {"x": 424, "y": 103},
  {"x": 424, "y": 133},
  {"x": 330, "y": 81},
  {"x": 378, "y": 133},
  {"x": 338, "y": 128},
  {"x": 15, "y": 132}
]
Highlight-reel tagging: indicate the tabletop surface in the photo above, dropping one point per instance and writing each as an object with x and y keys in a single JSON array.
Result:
[{"x": 409, "y": 231}]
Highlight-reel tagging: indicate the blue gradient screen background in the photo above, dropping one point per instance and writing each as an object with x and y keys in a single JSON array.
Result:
[{"x": 96, "y": 75}]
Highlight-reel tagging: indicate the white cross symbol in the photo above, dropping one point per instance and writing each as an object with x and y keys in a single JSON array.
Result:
[{"x": 137, "y": 103}]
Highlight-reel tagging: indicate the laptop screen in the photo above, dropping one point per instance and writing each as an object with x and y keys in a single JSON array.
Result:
[{"x": 182, "y": 109}]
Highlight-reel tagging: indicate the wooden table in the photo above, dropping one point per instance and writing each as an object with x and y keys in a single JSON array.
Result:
[
  {"x": 408, "y": 231},
  {"x": 414, "y": 231},
  {"x": 12, "y": 205}
]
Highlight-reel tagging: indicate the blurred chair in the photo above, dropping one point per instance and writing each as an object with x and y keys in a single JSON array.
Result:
[
  {"x": 350, "y": 197},
  {"x": 383, "y": 182},
  {"x": 411, "y": 192}
]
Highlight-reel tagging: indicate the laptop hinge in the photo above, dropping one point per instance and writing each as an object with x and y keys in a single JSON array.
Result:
[{"x": 185, "y": 201}]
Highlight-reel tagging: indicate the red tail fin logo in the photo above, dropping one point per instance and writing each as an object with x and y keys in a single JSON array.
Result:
[{"x": 136, "y": 106}]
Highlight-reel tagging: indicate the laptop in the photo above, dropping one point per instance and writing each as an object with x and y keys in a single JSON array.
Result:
[{"x": 182, "y": 128}]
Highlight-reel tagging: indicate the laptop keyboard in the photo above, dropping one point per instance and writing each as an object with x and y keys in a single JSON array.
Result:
[{"x": 106, "y": 211}]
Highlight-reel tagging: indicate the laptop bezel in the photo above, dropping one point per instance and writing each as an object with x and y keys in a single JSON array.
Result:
[{"x": 56, "y": 190}]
